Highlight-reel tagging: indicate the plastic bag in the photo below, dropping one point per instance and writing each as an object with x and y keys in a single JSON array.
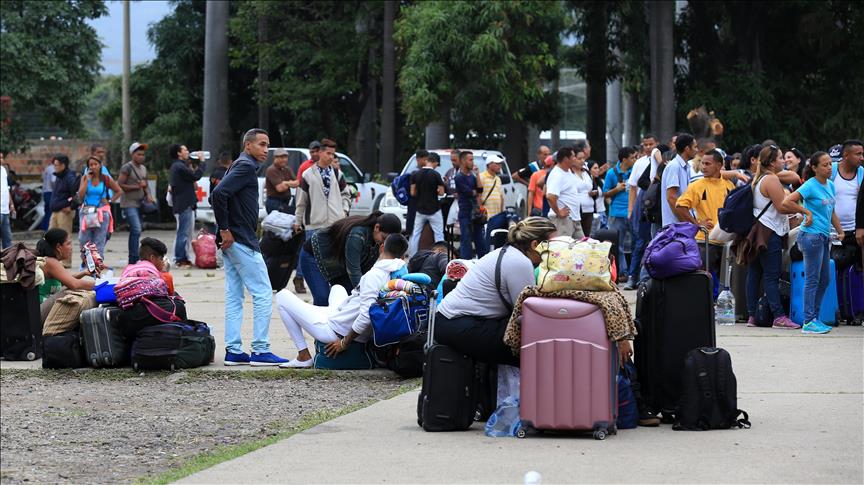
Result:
[
  {"x": 205, "y": 250},
  {"x": 280, "y": 224},
  {"x": 567, "y": 264},
  {"x": 505, "y": 420},
  {"x": 508, "y": 382}
]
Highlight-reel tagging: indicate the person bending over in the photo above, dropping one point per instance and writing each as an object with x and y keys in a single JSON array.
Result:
[
  {"x": 432, "y": 262},
  {"x": 347, "y": 316},
  {"x": 473, "y": 317}
]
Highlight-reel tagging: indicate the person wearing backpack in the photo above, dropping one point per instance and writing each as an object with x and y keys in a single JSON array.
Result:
[
  {"x": 94, "y": 194},
  {"x": 764, "y": 271},
  {"x": 814, "y": 240}
]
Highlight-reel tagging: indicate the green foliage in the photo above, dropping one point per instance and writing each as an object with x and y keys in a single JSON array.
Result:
[
  {"x": 51, "y": 60},
  {"x": 484, "y": 60},
  {"x": 316, "y": 55}
]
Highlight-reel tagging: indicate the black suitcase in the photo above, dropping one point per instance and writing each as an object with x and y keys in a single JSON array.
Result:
[
  {"x": 20, "y": 323},
  {"x": 447, "y": 400},
  {"x": 673, "y": 317},
  {"x": 104, "y": 342},
  {"x": 63, "y": 351}
]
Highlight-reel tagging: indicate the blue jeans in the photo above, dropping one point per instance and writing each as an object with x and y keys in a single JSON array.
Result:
[
  {"x": 816, "y": 249},
  {"x": 46, "y": 199},
  {"x": 498, "y": 221},
  {"x": 470, "y": 232},
  {"x": 436, "y": 223},
  {"x": 307, "y": 235},
  {"x": 6, "y": 230},
  {"x": 245, "y": 267},
  {"x": 640, "y": 241},
  {"x": 96, "y": 235},
  {"x": 622, "y": 226},
  {"x": 133, "y": 216},
  {"x": 764, "y": 272},
  {"x": 185, "y": 224},
  {"x": 318, "y": 285}
]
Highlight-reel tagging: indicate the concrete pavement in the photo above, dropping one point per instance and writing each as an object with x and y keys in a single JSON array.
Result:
[{"x": 803, "y": 394}]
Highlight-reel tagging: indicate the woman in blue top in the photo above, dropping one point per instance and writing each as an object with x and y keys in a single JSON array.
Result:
[
  {"x": 817, "y": 194},
  {"x": 96, "y": 220}
]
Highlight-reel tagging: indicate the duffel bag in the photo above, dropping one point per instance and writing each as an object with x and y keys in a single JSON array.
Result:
[
  {"x": 355, "y": 357},
  {"x": 66, "y": 310},
  {"x": 172, "y": 346},
  {"x": 673, "y": 251},
  {"x": 567, "y": 264},
  {"x": 131, "y": 289},
  {"x": 63, "y": 351}
]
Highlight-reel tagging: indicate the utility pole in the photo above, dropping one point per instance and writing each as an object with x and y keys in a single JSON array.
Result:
[
  {"x": 387, "y": 143},
  {"x": 263, "y": 75},
  {"x": 127, "y": 67},
  {"x": 215, "y": 126}
]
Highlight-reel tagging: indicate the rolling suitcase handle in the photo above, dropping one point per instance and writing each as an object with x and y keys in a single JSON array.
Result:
[
  {"x": 707, "y": 245},
  {"x": 430, "y": 327}
]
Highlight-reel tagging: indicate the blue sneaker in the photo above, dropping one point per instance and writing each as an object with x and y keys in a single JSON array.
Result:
[
  {"x": 815, "y": 327},
  {"x": 266, "y": 358},
  {"x": 232, "y": 358}
]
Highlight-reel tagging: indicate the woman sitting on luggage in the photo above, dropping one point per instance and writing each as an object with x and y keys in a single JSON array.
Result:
[
  {"x": 347, "y": 317},
  {"x": 473, "y": 317},
  {"x": 55, "y": 246},
  {"x": 342, "y": 253}
]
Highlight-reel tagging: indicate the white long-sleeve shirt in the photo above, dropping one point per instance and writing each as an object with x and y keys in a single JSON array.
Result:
[{"x": 353, "y": 313}]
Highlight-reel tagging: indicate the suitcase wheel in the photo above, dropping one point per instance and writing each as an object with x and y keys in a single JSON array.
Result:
[
  {"x": 600, "y": 434},
  {"x": 521, "y": 433},
  {"x": 30, "y": 355}
]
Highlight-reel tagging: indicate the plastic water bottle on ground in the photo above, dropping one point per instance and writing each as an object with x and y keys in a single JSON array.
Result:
[
  {"x": 724, "y": 313},
  {"x": 533, "y": 478}
]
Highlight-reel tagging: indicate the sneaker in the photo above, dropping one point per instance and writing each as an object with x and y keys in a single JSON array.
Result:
[
  {"x": 784, "y": 322},
  {"x": 297, "y": 364},
  {"x": 298, "y": 286},
  {"x": 265, "y": 359},
  {"x": 232, "y": 358},
  {"x": 751, "y": 322},
  {"x": 648, "y": 419},
  {"x": 184, "y": 265},
  {"x": 631, "y": 285},
  {"x": 815, "y": 327}
]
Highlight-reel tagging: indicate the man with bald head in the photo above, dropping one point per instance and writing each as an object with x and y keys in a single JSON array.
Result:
[{"x": 524, "y": 176}]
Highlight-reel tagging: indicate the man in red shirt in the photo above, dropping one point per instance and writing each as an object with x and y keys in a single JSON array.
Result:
[{"x": 314, "y": 148}]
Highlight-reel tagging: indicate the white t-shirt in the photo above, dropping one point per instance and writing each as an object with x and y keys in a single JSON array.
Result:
[
  {"x": 4, "y": 191},
  {"x": 584, "y": 184},
  {"x": 846, "y": 195},
  {"x": 562, "y": 184},
  {"x": 639, "y": 168}
]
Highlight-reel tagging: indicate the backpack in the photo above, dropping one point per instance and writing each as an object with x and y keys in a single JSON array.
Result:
[
  {"x": 401, "y": 187},
  {"x": 736, "y": 215},
  {"x": 709, "y": 395},
  {"x": 673, "y": 251},
  {"x": 645, "y": 179},
  {"x": 628, "y": 411},
  {"x": 652, "y": 201}
]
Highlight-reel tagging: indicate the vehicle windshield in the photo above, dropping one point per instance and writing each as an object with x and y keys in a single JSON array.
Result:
[
  {"x": 296, "y": 157},
  {"x": 446, "y": 164}
]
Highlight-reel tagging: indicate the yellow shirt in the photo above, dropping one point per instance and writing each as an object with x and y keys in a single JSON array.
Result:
[
  {"x": 495, "y": 203},
  {"x": 705, "y": 196}
]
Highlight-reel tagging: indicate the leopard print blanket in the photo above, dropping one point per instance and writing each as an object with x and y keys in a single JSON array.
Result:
[{"x": 616, "y": 311}]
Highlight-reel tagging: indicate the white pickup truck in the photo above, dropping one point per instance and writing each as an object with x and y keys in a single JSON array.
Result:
[{"x": 368, "y": 194}]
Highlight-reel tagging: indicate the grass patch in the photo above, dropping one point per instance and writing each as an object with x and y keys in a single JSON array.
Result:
[{"x": 229, "y": 452}]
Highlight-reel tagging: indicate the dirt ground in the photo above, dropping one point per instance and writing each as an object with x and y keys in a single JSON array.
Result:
[{"x": 116, "y": 426}]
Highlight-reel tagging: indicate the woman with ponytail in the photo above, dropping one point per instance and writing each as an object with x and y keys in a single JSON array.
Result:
[
  {"x": 343, "y": 252},
  {"x": 55, "y": 246},
  {"x": 473, "y": 317}
]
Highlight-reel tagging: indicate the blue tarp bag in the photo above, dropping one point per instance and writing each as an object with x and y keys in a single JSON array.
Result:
[{"x": 505, "y": 420}]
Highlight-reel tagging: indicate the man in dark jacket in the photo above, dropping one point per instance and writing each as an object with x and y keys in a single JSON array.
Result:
[
  {"x": 184, "y": 174},
  {"x": 235, "y": 206},
  {"x": 432, "y": 262}
]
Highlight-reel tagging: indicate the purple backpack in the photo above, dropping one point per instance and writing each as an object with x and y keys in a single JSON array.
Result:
[{"x": 673, "y": 251}]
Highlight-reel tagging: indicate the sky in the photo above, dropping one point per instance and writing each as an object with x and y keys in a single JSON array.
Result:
[{"x": 110, "y": 30}]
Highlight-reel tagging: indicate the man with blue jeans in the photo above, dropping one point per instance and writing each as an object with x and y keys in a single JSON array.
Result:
[
  {"x": 615, "y": 187},
  {"x": 467, "y": 196},
  {"x": 235, "y": 206},
  {"x": 133, "y": 181},
  {"x": 184, "y": 174}
]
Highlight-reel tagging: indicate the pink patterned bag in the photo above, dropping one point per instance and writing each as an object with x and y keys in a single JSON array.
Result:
[{"x": 131, "y": 289}]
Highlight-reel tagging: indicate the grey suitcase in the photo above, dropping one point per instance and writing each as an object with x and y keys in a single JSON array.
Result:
[{"x": 104, "y": 342}]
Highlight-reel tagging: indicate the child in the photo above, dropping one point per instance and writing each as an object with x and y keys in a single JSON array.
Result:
[
  {"x": 347, "y": 316},
  {"x": 151, "y": 263}
]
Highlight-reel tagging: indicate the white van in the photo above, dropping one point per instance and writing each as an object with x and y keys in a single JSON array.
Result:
[
  {"x": 515, "y": 194},
  {"x": 367, "y": 194}
]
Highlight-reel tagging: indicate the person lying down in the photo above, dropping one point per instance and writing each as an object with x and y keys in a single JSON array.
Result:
[{"x": 346, "y": 318}]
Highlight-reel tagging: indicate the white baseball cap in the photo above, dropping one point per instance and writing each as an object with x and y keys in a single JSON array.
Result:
[
  {"x": 494, "y": 159},
  {"x": 137, "y": 146}
]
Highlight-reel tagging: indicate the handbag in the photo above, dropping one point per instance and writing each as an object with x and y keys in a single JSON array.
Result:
[
  {"x": 147, "y": 206},
  {"x": 567, "y": 264},
  {"x": 90, "y": 214},
  {"x": 478, "y": 216}
]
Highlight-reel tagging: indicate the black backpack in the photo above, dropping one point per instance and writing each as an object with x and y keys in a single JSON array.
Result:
[
  {"x": 651, "y": 202},
  {"x": 645, "y": 179},
  {"x": 709, "y": 396}
]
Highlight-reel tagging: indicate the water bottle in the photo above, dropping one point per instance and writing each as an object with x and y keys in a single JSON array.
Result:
[
  {"x": 835, "y": 239},
  {"x": 725, "y": 310},
  {"x": 194, "y": 155},
  {"x": 533, "y": 478}
]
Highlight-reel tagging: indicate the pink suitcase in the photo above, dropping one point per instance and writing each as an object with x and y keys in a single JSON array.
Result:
[{"x": 568, "y": 368}]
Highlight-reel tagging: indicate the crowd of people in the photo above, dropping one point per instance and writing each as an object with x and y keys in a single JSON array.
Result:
[{"x": 344, "y": 259}]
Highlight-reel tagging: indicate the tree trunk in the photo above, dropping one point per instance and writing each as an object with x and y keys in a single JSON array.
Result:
[
  {"x": 263, "y": 74},
  {"x": 515, "y": 148},
  {"x": 632, "y": 130},
  {"x": 387, "y": 145},
  {"x": 661, "y": 17},
  {"x": 614, "y": 123},
  {"x": 215, "y": 132},
  {"x": 597, "y": 52}
]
